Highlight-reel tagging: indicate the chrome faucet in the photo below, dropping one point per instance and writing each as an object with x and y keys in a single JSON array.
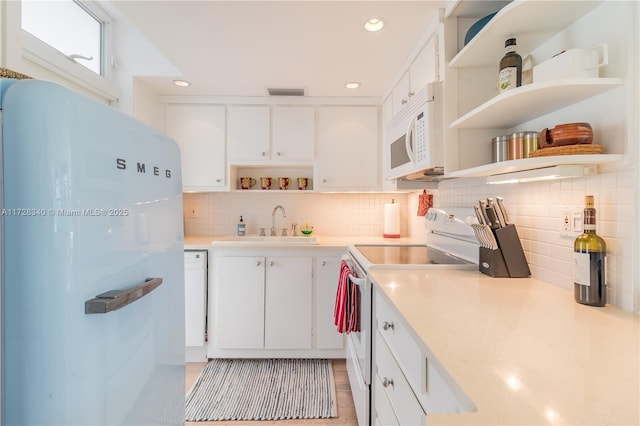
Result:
[{"x": 273, "y": 218}]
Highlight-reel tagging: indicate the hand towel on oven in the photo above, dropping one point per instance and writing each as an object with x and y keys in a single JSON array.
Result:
[{"x": 347, "y": 307}]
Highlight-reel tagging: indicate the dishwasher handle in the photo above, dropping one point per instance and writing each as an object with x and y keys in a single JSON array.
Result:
[{"x": 115, "y": 299}]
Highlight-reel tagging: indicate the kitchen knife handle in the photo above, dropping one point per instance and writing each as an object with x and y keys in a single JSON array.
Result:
[
  {"x": 503, "y": 209},
  {"x": 493, "y": 210},
  {"x": 483, "y": 210},
  {"x": 479, "y": 215}
]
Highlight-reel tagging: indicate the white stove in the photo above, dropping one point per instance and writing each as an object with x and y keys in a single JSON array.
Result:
[{"x": 450, "y": 244}]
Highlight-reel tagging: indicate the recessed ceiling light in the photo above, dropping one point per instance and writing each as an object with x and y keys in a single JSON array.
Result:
[
  {"x": 374, "y": 24},
  {"x": 181, "y": 83},
  {"x": 352, "y": 85}
]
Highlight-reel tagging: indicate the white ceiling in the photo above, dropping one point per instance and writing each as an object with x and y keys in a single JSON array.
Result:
[{"x": 238, "y": 48}]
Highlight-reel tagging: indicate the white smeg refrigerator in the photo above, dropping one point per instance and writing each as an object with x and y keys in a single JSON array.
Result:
[{"x": 92, "y": 263}]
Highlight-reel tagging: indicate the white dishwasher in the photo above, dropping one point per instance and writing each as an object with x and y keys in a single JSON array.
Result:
[{"x": 195, "y": 301}]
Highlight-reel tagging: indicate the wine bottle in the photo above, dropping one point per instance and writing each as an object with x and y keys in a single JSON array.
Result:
[
  {"x": 510, "y": 75},
  {"x": 589, "y": 255}
]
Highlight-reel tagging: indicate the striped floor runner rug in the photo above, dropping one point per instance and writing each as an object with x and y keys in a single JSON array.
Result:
[{"x": 263, "y": 389}]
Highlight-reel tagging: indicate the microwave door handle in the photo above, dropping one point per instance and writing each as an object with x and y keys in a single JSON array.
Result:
[{"x": 408, "y": 140}]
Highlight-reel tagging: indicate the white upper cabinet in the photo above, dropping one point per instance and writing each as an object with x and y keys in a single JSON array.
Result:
[
  {"x": 348, "y": 149},
  {"x": 199, "y": 131},
  {"x": 265, "y": 134},
  {"x": 248, "y": 133},
  {"x": 401, "y": 93},
  {"x": 424, "y": 68},
  {"x": 293, "y": 133}
]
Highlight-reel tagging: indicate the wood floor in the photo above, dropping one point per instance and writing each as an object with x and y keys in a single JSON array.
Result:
[{"x": 346, "y": 410}]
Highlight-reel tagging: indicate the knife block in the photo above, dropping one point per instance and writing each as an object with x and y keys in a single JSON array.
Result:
[{"x": 508, "y": 260}]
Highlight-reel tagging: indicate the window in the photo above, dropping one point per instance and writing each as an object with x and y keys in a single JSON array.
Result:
[{"x": 67, "y": 26}]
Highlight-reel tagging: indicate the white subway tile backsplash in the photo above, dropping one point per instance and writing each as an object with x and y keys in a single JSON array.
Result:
[
  {"x": 330, "y": 214},
  {"x": 536, "y": 209}
]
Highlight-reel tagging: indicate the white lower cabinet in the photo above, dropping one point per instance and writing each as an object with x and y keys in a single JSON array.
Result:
[
  {"x": 326, "y": 279},
  {"x": 383, "y": 413},
  {"x": 287, "y": 316},
  {"x": 275, "y": 304},
  {"x": 404, "y": 376},
  {"x": 239, "y": 302}
]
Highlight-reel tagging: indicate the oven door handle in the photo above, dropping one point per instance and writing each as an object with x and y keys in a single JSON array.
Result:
[{"x": 356, "y": 280}]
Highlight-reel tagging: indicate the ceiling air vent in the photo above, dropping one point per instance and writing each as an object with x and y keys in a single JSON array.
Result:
[{"x": 283, "y": 91}]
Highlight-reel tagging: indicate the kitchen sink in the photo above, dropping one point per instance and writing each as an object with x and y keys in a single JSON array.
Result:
[{"x": 261, "y": 240}]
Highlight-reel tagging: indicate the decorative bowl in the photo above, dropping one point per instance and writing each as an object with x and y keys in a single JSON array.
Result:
[{"x": 476, "y": 27}]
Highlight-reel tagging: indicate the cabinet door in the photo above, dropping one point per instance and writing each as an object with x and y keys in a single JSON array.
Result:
[
  {"x": 327, "y": 274},
  {"x": 424, "y": 68},
  {"x": 293, "y": 133},
  {"x": 401, "y": 93},
  {"x": 239, "y": 302},
  {"x": 199, "y": 130},
  {"x": 348, "y": 148},
  {"x": 387, "y": 112},
  {"x": 287, "y": 320},
  {"x": 248, "y": 132}
]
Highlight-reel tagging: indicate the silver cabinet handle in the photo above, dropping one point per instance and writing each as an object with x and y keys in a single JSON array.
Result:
[
  {"x": 115, "y": 299},
  {"x": 324, "y": 263},
  {"x": 403, "y": 101},
  {"x": 387, "y": 325},
  {"x": 410, "y": 94},
  {"x": 271, "y": 263},
  {"x": 218, "y": 180},
  {"x": 386, "y": 382},
  {"x": 279, "y": 153},
  {"x": 264, "y": 154},
  {"x": 258, "y": 263}
]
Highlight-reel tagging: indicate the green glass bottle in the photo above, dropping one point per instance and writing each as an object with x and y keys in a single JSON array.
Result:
[
  {"x": 510, "y": 75},
  {"x": 589, "y": 249}
]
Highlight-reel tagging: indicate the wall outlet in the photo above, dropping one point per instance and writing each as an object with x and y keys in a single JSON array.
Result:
[
  {"x": 571, "y": 221},
  {"x": 193, "y": 213}
]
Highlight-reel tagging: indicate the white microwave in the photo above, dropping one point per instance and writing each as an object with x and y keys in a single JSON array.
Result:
[{"x": 414, "y": 142}]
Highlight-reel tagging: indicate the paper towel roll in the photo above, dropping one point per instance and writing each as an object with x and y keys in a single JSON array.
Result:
[{"x": 391, "y": 220}]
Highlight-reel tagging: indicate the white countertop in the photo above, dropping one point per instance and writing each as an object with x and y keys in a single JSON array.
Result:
[
  {"x": 205, "y": 241},
  {"x": 521, "y": 349}
]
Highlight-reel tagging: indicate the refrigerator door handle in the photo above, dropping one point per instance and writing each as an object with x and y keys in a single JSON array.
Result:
[{"x": 113, "y": 300}]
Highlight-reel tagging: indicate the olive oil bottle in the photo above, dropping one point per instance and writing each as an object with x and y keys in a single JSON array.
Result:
[
  {"x": 510, "y": 75},
  {"x": 589, "y": 249}
]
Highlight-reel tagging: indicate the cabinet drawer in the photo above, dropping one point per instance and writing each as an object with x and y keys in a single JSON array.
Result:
[
  {"x": 427, "y": 383},
  {"x": 405, "y": 405},
  {"x": 383, "y": 412},
  {"x": 402, "y": 345}
]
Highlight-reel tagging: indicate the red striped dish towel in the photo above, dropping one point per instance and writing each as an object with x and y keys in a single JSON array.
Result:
[{"x": 347, "y": 307}]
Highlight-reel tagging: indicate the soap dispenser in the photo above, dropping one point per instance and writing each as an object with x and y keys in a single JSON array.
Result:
[{"x": 242, "y": 230}]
